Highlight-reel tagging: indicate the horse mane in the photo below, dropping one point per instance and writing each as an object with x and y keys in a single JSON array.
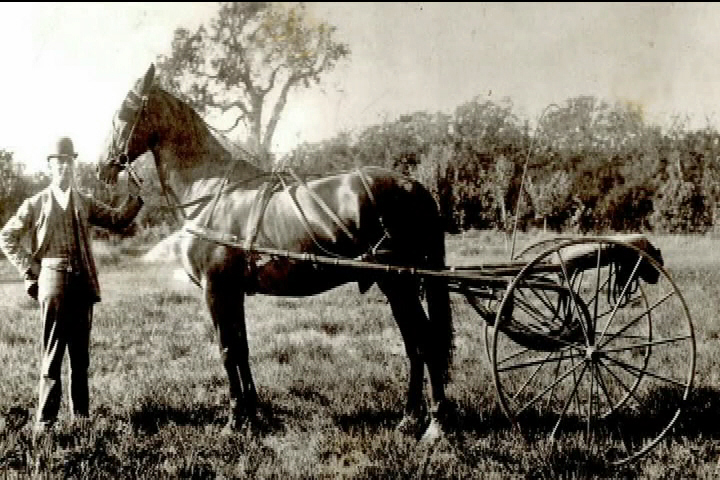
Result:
[{"x": 202, "y": 135}]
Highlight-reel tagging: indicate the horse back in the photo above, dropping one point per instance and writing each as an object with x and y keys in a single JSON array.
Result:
[{"x": 349, "y": 215}]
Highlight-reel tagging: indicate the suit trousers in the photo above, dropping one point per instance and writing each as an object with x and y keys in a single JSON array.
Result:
[{"x": 66, "y": 312}]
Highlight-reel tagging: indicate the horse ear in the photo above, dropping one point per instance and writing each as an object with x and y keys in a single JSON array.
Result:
[{"x": 149, "y": 77}]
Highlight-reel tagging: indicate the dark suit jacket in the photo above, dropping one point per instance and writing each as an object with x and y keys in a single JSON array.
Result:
[{"x": 25, "y": 236}]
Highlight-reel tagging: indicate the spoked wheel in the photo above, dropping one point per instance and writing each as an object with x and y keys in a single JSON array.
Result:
[
  {"x": 486, "y": 305},
  {"x": 593, "y": 347},
  {"x": 488, "y": 302},
  {"x": 491, "y": 303}
]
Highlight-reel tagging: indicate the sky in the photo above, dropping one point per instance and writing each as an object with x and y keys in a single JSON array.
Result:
[{"x": 67, "y": 66}]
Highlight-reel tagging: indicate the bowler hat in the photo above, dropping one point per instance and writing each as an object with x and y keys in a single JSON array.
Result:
[{"x": 64, "y": 148}]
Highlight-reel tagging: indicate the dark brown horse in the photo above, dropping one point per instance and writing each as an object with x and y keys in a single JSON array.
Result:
[{"x": 367, "y": 213}]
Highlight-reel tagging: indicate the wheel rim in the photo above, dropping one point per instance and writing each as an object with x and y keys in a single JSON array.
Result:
[{"x": 617, "y": 374}]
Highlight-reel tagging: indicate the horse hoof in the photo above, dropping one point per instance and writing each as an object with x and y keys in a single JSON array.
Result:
[
  {"x": 433, "y": 433},
  {"x": 410, "y": 425},
  {"x": 234, "y": 425}
]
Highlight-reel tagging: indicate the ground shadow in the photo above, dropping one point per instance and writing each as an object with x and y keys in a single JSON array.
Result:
[
  {"x": 151, "y": 417},
  {"x": 697, "y": 420},
  {"x": 365, "y": 418},
  {"x": 460, "y": 418},
  {"x": 700, "y": 414},
  {"x": 14, "y": 418}
]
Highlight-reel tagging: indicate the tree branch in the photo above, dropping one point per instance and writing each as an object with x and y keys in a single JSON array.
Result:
[
  {"x": 226, "y": 106},
  {"x": 237, "y": 121},
  {"x": 271, "y": 82},
  {"x": 277, "y": 110}
]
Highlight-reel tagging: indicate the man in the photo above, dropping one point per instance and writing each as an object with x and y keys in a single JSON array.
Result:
[{"x": 48, "y": 241}]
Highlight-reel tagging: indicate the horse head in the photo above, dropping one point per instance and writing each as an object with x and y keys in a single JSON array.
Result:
[{"x": 128, "y": 140}]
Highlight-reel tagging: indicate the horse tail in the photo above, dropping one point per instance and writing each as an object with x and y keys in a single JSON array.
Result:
[{"x": 437, "y": 295}]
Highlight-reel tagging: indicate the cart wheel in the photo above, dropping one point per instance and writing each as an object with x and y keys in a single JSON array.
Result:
[
  {"x": 486, "y": 302},
  {"x": 540, "y": 246},
  {"x": 486, "y": 306},
  {"x": 594, "y": 347}
]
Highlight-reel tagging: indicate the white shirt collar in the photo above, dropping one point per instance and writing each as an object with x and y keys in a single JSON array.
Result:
[{"x": 62, "y": 197}]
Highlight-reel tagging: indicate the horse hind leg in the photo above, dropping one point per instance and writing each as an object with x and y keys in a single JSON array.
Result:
[
  {"x": 228, "y": 313},
  {"x": 410, "y": 318},
  {"x": 428, "y": 337},
  {"x": 437, "y": 345}
]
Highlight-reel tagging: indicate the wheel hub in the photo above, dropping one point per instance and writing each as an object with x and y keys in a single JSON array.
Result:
[{"x": 591, "y": 354}]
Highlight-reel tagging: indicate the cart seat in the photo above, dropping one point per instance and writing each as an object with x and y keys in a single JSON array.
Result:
[{"x": 584, "y": 256}]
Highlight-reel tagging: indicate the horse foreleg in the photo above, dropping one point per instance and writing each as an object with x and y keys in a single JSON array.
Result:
[
  {"x": 228, "y": 313},
  {"x": 243, "y": 361}
]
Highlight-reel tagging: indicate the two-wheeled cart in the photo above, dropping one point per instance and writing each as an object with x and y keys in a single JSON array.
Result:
[{"x": 590, "y": 341}]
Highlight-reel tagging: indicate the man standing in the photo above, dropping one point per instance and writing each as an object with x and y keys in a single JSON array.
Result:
[{"x": 48, "y": 241}]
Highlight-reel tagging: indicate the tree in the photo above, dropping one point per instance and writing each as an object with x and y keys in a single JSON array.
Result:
[
  {"x": 248, "y": 61},
  {"x": 680, "y": 206},
  {"x": 551, "y": 198},
  {"x": 401, "y": 144},
  {"x": 330, "y": 155},
  {"x": 504, "y": 172},
  {"x": 586, "y": 123},
  {"x": 13, "y": 186},
  {"x": 486, "y": 129}
]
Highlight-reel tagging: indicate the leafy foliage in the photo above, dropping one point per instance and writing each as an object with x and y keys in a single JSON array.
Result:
[
  {"x": 13, "y": 186},
  {"x": 248, "y": 60},
  {"x": 592, "y": 166}
]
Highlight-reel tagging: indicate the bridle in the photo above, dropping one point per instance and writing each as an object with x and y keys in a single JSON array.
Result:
[{"x": 119, "y": 157}]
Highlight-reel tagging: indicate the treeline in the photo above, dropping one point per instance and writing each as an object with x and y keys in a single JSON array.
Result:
[{"x": 591, "y": 166}]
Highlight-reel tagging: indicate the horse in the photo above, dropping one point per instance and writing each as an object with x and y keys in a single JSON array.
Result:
[{"x": 369, "y": 212}]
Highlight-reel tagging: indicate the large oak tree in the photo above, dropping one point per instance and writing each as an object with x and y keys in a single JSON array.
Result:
[{"x": 247, "y": 61}]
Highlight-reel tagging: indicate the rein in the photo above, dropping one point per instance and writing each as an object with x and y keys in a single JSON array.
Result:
[
  {"x": 120, "y": 159},
  {"x": 223, "y": 188}
]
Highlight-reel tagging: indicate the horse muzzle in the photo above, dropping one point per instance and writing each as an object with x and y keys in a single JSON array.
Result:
[{"x": 108, "y": 173}]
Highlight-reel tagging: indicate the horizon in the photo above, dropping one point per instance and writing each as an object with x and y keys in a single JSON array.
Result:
[{"x": 405, "y": 58}]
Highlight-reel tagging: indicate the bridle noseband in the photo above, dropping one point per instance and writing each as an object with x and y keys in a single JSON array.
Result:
[{"x": 119, "y": 156}]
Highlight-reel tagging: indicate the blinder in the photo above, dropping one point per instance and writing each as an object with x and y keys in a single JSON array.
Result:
[{"x": 131, "y": 111}]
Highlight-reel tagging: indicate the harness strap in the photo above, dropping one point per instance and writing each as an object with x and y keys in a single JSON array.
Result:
[
  {"x": 322, "y": 205},
  {"x": 303, "y": 220},
  {"x": 231, "y": 167},
  {"x": 177, "y": 205},
  {"x": 386, "y": 233},
  {"x": 257, "y": 210}
]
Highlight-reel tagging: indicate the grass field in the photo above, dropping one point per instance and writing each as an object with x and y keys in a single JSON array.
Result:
[{"x": 331, "y": 374}]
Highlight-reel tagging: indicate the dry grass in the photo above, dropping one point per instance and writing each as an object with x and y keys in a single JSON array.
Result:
[{"x": 330, "y": 370}]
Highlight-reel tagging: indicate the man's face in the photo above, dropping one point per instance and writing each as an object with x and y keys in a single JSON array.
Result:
[{"x": 61, "y": 170}]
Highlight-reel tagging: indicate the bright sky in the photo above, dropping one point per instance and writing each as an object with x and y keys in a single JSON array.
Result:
[{"x": 67, "y": 66}]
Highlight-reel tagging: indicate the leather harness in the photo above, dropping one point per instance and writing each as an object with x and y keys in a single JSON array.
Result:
[{"x": 276, "y": 183}]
